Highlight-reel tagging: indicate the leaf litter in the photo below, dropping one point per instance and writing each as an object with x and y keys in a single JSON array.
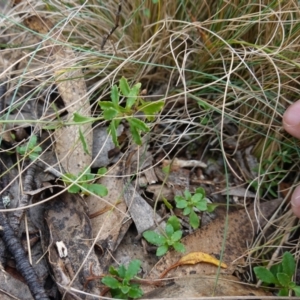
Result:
[{"x": 90, "y": 229}]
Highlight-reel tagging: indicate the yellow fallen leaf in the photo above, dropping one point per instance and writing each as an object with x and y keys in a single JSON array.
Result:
[{"x": 194, "y": 258}]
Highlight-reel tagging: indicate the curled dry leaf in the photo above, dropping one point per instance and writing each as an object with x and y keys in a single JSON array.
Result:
[{"x": 194, "y": 258}]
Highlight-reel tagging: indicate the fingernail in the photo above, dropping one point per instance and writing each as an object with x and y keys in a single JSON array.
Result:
[{"x": 291, "y": 117}]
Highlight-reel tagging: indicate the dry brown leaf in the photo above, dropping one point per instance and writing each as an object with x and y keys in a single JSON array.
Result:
[
  {"x": 72, "y": 88},
  {"x": 194, "y": 258}
]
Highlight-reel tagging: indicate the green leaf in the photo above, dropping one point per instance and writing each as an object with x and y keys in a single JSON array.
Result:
[
  {"x": 194, "y": 220},
  {"x": 111, "y": 282},
  {"x": 283, "y": 279},
  {"x": 135, "y": 292},
  {"x": 181, "y": 203},
  {"x": 155, "y": 1},
  {"x": 102, "y": 171},
  {"x": 98, "y": 189},
  {"x": 202, "y": 205},
  {"x": 187, "y": 194},
  {"x": 288, "y": 264},
  {"x": 187, "y": 211},
  {"x": 112, "y": 129},
  {"x": 73, "y": 189},
  {"x": 179, "y": 247},
  {"x": 283, "y": 292},
  {"x": 77, "y": 118},
  {"x": 200, "y": 190},
  {"x": 32, "y": 142},
  {"x": 113, "y": 271},
  {"x": 162, "y": 250},
  {"x": 133, "y": 268},
  {"x": 197, "y": 198},
  {"x": 106, "y": 105},
  {"x": 132, "y": 96},
  {"x": 176, "y": 236},
  {"x": 83, "y": 141},
  {"x": 125, "y": 289},
  {"x": 211, "y": 207},
  {"x": 135, "y": 134},
  {"x": 121, "y": 271},
  {"x": 174, "y": 221},
  {"x": 114, "y": 96},
  {"x": 110, "y": 113},
  {"x": 167, "y": 203},
  {"x": 151, "y": 108},
  {"x": 296, "y": 289},
  {"x": 265, "y": 275},
  {"x": 154, "y": 238},
  {"x": 33, "y": 156},
  {"x": 138, "y": 124},
  {"x": 169, "y": 230},
  {"x": 124, "y": 87}
]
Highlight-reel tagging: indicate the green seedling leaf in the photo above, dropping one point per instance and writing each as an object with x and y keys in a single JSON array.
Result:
[
  {"x": 154, "y": 238},
  {"x": 98, "y": 189},
  {"x": 194, "y": 220},
  {"x": 169, "y": 230},
  {"x": 135, "y": 134},
  {"x": 288, "y": 264},
  {"x": 180, "y": 203},
  {"x": 132, "y": 96},
  {"x": 102, "y": 171},
  {"x": 162, "y": 250},
  {"x": 114, "y": 96},
  {"x": 187, "y": 194},
  {"x": 296, "y": 289},
  {"x": 33, "y": 156},
  {"x": 201, "y": 191},
  {"x": 77, "y": 118},
  {"x": 138, "y": 124},
  {"x": 106, "y": 105},
  {"x": 283, "y": 279},
  {"x": 283, "y": 292},
  {"x": 113, "y": 271},
  {"x": 151, "y": 108},
  {"x": 179, "y": 247},
  {"x": 173, "y": 220},
  {"x": 121, "y": 271},
  {"x": 110, "y": 113},
  {"x": 187, "y": 211},
  {"x": 133, "y": 268},
  {"x": 176, "y": 236},
  {"x": 202, "y": 205},
  {"x": 166, "y": 169},
  {"x": 211, "y": 207},
  {"x": 124, "y": 87},
  {"x": 110, "y": 282},
  {"x": 265, "y": 275},
  {"x": 135, "y": 292},
  {"x": 32, "y": 141},
  {"x": 83, "y": 141}
]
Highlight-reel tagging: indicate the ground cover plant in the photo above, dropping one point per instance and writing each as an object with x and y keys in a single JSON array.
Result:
[{"x": 184, "y": 80}]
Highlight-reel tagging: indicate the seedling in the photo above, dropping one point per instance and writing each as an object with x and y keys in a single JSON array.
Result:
[
  {"x": 119, "y": 281},
  {"x": 191, "y": 202},
  {"x": 280, "y": 275},
  {"x": 134, "y": 105},
  {"x": 30, "y": 148},
  {"x": 84, "y": 182},
  {"x": 170, "y": 238}
]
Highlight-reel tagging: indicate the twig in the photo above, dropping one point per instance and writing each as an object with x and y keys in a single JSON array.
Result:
[{"x": 115, "y": 27}]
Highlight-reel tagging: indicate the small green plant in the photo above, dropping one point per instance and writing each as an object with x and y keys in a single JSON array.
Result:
[
  {"x": 30, "y": 148},
  {"x": 84, "y": 182},
  {"x": 170, "y": 238},
  {"x": 190, "y": 202},
  {"x": 134, "y": 105},
  {"x": 119, "y": 281},
  {"x": 280, "y": 275}
]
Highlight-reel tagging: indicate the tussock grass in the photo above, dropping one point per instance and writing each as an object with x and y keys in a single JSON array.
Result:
[{"x": 215, "y": 63}]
